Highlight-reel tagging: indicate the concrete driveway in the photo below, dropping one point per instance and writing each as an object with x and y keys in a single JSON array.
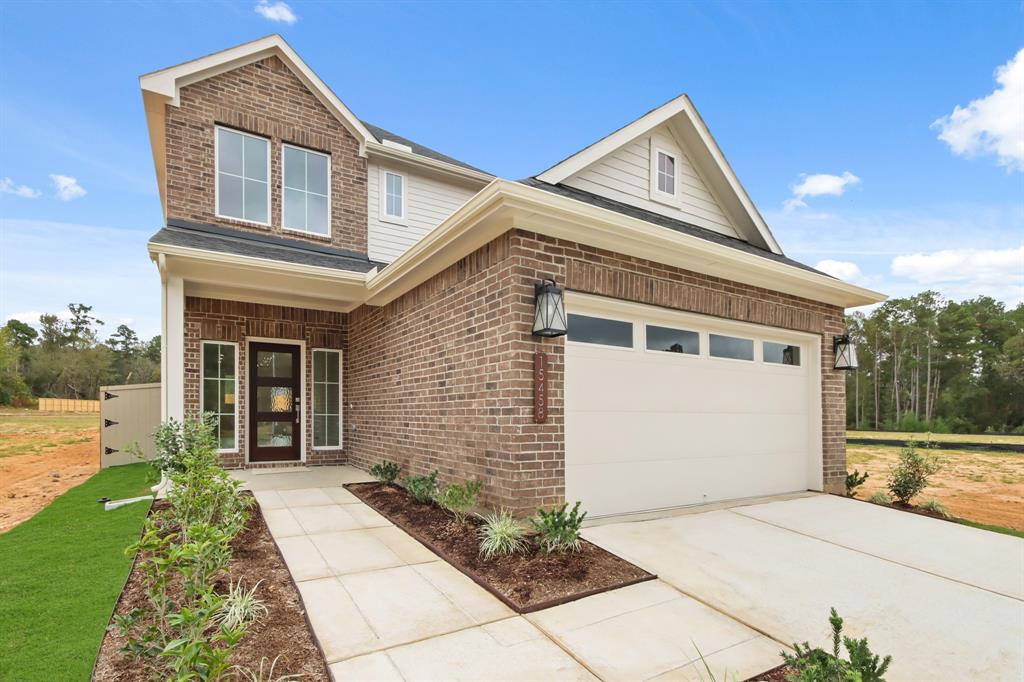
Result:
[{"x": 945, "y": 600}]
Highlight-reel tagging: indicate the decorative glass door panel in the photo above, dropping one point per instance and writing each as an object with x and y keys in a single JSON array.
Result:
[{"x": 275, "y": 403}]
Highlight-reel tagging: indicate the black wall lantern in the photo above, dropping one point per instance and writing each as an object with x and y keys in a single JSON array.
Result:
[
  {"x": 549, "y": 316},
  {"x": 846, "y": 352}
]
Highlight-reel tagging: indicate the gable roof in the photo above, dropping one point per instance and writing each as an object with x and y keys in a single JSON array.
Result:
[
  {"x": 381, "y": 135},
  {"x": 689, "y": 128}
]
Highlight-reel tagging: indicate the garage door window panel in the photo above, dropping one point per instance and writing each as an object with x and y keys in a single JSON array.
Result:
[
  {"x": 781, "y": 353},
  {"x": 600, "y": 331},
  {"x": 730, "y": 347},
  {"x": 672, "y": 340}
]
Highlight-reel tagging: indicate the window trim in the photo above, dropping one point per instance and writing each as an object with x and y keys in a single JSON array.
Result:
[
  {"x": 799, "y": 347},
  {"x": 383, "y": 196},
  {"x": 202, "y": 393},
  {"x": 633, "y": 328},
  {"x": 656, "y": 194},
  {"x": 702, "y": 343},
  {"x": 341, "y": 395},
  {"x": 755, "y": 350},
  {"x": 216, "y": 176},
  {"x": 284, "y": 174}
]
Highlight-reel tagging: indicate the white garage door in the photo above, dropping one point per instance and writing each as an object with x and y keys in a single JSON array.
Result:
[{"x": 666, "y": 409}]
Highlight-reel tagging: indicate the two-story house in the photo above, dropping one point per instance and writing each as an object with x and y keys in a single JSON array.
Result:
[{"x": 336, "y": 293}]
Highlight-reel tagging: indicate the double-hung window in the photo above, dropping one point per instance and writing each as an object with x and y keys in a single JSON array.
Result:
[
  {"x": 326, "y": 398},
  {"x": 220, "y": 390},
  {"x": 243, "y": 176},
  {"x": 307, "y": 191},
  {"x": 392, "y": 196}
]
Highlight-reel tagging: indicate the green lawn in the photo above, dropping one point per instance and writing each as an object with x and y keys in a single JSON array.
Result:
[
  {"x": 61, "y": 573},
  {"x": 24, "y": 432}
]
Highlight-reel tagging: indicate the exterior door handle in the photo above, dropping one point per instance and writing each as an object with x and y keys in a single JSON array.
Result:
[{"x": 298, "y": 408}]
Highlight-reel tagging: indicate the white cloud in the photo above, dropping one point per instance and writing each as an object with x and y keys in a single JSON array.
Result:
[
  {"x": 959, "y": 265},
  {"x": 819, "y": 184},
  {"x": 993, "y": 124},
  {"x": 840, "y": 269},
  {"x": 7, "y": 186},
  {"x": 277, "y": 11},
  {"x": 67, "y": 187}
]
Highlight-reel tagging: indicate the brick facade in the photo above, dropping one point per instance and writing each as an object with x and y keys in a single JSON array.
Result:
[
  {"x": 263, "y": 98},
  {"x": 216, "y": 320}
]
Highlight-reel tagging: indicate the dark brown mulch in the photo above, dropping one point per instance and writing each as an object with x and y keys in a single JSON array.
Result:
[
  {"x": 284, "y": 630},
  {"x": 525, "y": 582},
  {"x": 780, "y": 674}
]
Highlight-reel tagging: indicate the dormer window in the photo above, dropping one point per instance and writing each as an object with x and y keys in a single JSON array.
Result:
[
  {"x": 307, "y": 191},
  {"x": 392, "y": 196},
  {"x": 666, "y": 171},
  {"x": 243, "y": 172}
]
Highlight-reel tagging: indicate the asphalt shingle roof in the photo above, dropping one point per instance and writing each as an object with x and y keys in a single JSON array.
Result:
[{"x": 417, "y": 148}]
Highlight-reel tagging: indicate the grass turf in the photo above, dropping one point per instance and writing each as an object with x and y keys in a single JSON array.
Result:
[
  {"x": 995, "y": 529},
  {"x": 61, "y": 573}
]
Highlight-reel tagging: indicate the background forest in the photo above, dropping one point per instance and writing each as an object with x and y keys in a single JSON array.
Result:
[{"x": 63, "y": 357}]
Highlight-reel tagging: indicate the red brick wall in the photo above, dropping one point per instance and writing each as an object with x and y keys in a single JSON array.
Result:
[
  {"x": 216, "y": 320},
  {"x": 263, "y": 98},
  {"x": 441, "y": 378}
]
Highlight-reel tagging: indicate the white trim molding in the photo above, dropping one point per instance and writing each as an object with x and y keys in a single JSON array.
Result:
[
  {"x": 202, "y": 387},
  {"x": 341, "y": 396},
  {"x": 382, "y": 191}
]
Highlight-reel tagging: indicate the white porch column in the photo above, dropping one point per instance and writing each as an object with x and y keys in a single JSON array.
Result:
[{"x": 172, "y": 347}]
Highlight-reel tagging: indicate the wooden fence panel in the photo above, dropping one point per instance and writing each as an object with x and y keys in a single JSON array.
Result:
[{"x": 68, "y": 405}]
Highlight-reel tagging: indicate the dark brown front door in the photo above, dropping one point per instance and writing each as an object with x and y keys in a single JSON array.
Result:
[{"x": 275, "y": 402}]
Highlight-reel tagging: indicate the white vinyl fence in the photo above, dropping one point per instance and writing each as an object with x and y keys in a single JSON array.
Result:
[{"x": 128, "y": 414}]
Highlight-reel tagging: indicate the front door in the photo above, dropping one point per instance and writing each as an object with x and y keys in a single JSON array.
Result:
[{"x": 275, "y": 402}]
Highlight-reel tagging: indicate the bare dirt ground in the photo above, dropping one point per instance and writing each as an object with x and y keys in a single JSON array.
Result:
[
  {"x": 987, "y": 487},
  {"x": 42, "y": 455}
]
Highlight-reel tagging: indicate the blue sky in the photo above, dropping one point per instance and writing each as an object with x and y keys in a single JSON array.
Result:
[{"x": 837, "y": 117}]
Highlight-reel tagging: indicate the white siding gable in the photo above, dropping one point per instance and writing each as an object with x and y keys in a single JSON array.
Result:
[
  {"x": 625, "y": 175},
  {"x": 429, "y": 200}
]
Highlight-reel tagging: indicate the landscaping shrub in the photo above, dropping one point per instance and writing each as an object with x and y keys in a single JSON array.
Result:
[
  {"x": 881, "y": 497},
  {"x": 910, "y": 475},
  {"x": 854, "y": 480},
  {"x": 460, "y": 499},
  {"x": 263, "y": 673},
  {"x": 818, "y": 665},
  {"x": 935, "y": 507},
  {"x": 558, "y": 531},
  {"x": 189, "y": 629},
  {"x": 501, "y": 535},
  {"x": 386, "y": 471},
  {"x": 422, "y": 488},
  {"x": 960, "y": 425},
  {"x": 174, "y": 439}
]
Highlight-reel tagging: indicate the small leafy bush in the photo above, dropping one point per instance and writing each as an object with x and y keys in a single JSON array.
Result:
[
  {"x": 460, "y": 499},
  {"x": 422, "y": 488},
  {"x": 910, "y": 475},
  {"x": 241, "y": 606},
  {"x": 818, "y": 665},
  {"x": 558, "y": 531},
  {"x": 386, "y": 471},
  {"x": 501, "y": 535},
  {"x": 935, "y": 507},
  {"x": 881, "y": 497},
  {"x": 854, "y": 480}
]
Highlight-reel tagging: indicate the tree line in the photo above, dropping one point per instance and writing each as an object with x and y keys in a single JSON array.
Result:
[
  {"x": 64, "y": 357},
  {"x": 932, "y": 364}
]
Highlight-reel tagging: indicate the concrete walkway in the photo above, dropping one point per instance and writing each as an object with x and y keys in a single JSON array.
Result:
[
  {"x": 383, "y": 607},
  {"x": 943, "y": 599}
]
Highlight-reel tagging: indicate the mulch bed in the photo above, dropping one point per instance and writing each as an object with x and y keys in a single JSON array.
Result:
[
  {"x": 524, "y": 582},
  {"x": 283, "y": 631},
  {"x": 779, "y": 674}
]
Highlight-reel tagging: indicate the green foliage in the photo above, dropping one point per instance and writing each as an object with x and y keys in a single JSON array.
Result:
[
  {"x": 61, "y": 572},
  {"x": 422, "y": 488},
  {"x": 880, "y": 497},
  {"x": 459, "y": 499},
  {"x": 557, "y": 530},
  {"x": 910, "y": 475},
  {"x": 817, "y": 665},
  {"x": 501, "y": 535},
  {"x": 188, "y": 546},
  {"x": 935, "y": 507},
  {"x": 13, "y": 390},
  {"x": 854, "y": 480},
  {"x": 264, "y": 673},
  {"x": 386, "y": 471}
]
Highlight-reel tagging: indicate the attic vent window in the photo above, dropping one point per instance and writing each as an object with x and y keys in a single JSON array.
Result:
[{"x": 666, "y": 173}]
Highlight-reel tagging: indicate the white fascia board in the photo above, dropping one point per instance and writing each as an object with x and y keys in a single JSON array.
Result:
[
  {"x": 168, "y": 82},
  {"x": 701, "y": 142},
  {"x": 391, "y": 153}
]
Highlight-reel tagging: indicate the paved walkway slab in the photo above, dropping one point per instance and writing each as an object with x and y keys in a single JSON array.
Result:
[
  {"x": 783, "y": 582},
  {"x": 652, "y": 631},
  {"x": 992, "y": 561}
]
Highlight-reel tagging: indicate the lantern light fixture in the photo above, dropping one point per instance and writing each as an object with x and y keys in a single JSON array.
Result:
[
  {"x": 549, "y": 315},
  {"x": 845, "y": 351}
]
